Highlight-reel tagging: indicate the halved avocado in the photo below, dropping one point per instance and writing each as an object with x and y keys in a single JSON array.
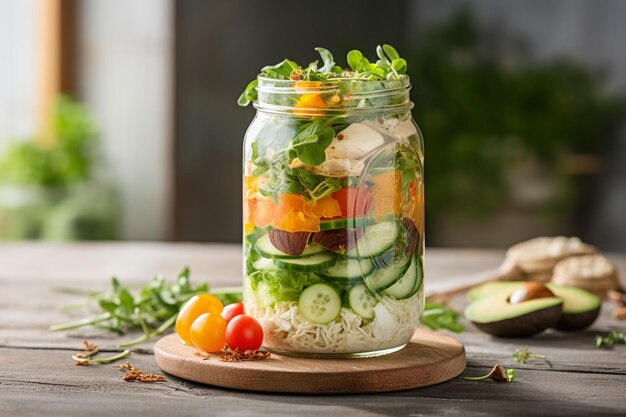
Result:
[
  {"x": 580, "y": 307},
  {"x": 494, "y": 314},
  {"x": 488, "y": 288}
]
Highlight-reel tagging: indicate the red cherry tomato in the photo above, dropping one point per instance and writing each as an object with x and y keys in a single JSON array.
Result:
[
  {"x": 232, "y": 310},
  {"x": 353, "y": 201},
  {"x": 244, "y": 333}
]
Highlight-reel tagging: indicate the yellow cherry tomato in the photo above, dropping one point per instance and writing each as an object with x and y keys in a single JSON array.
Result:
[
  {"x": 208, "y": 332},
  {"x": 197, "y": 305}
]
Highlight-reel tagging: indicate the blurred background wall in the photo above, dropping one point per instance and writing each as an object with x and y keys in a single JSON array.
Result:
[{"x": 521, "y": 105}]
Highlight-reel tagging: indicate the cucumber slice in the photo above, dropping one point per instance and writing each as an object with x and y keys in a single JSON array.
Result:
[
  {"x": 349, "y": 269},
  {"x": 264, "y": 264},
  {"x": 375, "y": 241},
  {"x": 265, "y": 248},
  {"x": 352, "y": 223},
  {"x": 419, "y": 283},
  {"x": 408, "y": 284},
  {"x": 384, "y": 278},
  {"x": 313, "y": 263},
  {"x": 320, "y": 303},
  {"x": 362, "y": 301}
]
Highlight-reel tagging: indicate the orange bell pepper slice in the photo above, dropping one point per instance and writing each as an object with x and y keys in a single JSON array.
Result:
[
  {"x": 387, "y": 193},
  {"x": 294, "y": 214},
  {"x": 309, "y": 100}
]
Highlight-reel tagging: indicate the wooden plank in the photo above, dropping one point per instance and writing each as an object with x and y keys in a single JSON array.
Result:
[
  {"x": 90, "y": 266},
  {"x": 93, "y": 264},
  {"x": 57, "y": 386},
  {"x": 37, "y": 375}
]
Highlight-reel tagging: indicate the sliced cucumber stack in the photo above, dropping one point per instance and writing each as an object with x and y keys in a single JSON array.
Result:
[
  {"x": 265, "y": 248},
  {"x": 320, "y": 303},
  {"x": 349, "y": 269},
  {"x": 313, "y": 263},
  {"x": 384, "y": 278},
  {"x": 362, "y": 301},
  {"x": 376, "y": 240},
  {"x": 408, "y": 285}
]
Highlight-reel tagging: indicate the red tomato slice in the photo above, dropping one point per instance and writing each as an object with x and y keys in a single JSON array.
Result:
[{"x": 353, "y": 201}]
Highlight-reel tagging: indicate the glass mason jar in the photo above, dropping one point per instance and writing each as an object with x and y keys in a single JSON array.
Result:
[{"x": 334, "y": 217}]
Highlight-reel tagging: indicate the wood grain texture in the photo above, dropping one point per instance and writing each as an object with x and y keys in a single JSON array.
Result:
[
  {"x": 37, "y": 376},
  {"x": 429, "y": 358}
]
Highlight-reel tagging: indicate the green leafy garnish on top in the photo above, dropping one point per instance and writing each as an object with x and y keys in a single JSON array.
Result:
[{"x": 388, "y": 66}]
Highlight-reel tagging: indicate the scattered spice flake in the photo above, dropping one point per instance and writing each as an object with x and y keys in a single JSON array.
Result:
[
  {"x": 203, "y": 355},
  {"x": 89, "y": 349},
  {"x": 89, "y": 345},
  {"x": 295, "y": 74},
  {"x": 227, "y": 355},
  {"x": 134, "y": 374}
]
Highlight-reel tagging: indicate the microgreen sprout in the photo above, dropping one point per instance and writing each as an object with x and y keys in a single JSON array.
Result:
[
  {"x": 522, "y": 355},
  {"x": 497, "y": 373}
]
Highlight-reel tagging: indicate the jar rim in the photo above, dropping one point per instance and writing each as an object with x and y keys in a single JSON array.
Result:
[
  {"x": 355, "y": 90},
  {"x": 269, "y": 84}
]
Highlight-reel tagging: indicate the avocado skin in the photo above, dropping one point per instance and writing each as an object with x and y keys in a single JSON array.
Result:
[
  {"x": 578, "y": 321},
  {"x": 524, "y": 325}
]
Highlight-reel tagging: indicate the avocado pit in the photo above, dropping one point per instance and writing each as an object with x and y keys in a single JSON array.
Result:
[{"x": 530, "y": 291}]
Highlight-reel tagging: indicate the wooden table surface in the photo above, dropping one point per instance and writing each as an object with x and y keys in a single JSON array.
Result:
[{"x": 37, "y": 375}]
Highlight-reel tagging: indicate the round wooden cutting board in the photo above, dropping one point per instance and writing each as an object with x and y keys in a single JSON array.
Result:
[{"x": 428, "y": 359}]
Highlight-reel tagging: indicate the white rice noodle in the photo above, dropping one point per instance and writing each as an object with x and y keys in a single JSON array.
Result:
[{"x": 286, "y": 329}]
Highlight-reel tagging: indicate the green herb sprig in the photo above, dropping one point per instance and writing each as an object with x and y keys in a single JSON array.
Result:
[
  {"x": 438, "y": 316},
  {"x": 153, "y": 309},
  {"x": 522, "y": 355},
  {"x": 497, "y": 373},
  {"x": 611, "y": 339}
]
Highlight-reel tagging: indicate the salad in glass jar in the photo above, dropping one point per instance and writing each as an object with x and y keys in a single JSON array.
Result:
[{"x": 334, "y": 207}]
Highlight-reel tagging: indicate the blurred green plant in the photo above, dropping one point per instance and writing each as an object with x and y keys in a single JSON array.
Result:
[
  {"x": 480, "y": 109},
  {"x": 68, "y": 160},
  {"x": 48, "y": 190}
]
